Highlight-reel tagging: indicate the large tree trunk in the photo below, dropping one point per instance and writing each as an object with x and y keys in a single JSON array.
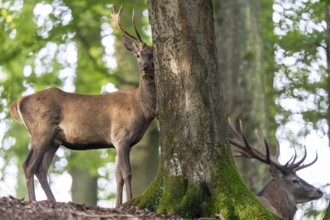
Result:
[
  {"x": 197, "y": 175},
  {"x": 242, "y": 73}
]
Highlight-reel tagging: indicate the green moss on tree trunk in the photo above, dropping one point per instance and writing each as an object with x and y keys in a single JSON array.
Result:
[{"x": 226, "y": 195}]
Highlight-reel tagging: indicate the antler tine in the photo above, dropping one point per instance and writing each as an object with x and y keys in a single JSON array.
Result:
[
  {"x": 292, "y": 160},
  {"x": 258, "y": 154},
  {"x": 275, "y": 162},
  {"x": 278, "y": 150},
  {"x": 236, "y": 151},
  {"x": 238, "y": 143},
  {"x": 273, "y": 159},
  {"x": 295, "y": 165},
  {"x": 135, "y": 29},
  {"x": 243, "y": 148},
  {"x": 116, "y": 17},
  {"x": 241, "y": 126},
  {"x": 306, "y": 165},
  {"x": 236, "y": 133},
  {"x": 267, "y": 151},
  {"x": 289, "y": 161}
]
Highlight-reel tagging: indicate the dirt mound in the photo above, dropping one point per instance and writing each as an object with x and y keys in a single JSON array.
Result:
[{"x": 15, "y": 209}]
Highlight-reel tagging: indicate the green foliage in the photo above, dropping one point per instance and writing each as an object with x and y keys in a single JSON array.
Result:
[
  {"x": 301, "y": 82},
  {"x": 302, "y": 72}
]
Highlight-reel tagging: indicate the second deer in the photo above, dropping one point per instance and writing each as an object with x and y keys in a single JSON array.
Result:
[
  {"x": 81, "y": 122},
  {"x": 286, "y": 189}
]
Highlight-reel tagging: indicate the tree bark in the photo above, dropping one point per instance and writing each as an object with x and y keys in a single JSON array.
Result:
[{"x": 197, "y": 175}]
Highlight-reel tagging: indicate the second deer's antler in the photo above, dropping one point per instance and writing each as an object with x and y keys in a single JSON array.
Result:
[{"x": 241, "y": 148}]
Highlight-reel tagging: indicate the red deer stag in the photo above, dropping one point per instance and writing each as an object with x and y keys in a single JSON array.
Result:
[
  {"x": 81, "y": 122},
  {"x": 286, "y": 189}
]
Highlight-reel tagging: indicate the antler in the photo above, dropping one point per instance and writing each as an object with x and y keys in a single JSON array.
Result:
[
  {"x": 116, "y": 17},
  {"x": 241, "y": 148},
  {"x": 298, "y": 165},
  {"x": 135, "y": 29}
]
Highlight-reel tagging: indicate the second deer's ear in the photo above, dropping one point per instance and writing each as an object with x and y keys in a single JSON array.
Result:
[{"x": 130, "y": 45}]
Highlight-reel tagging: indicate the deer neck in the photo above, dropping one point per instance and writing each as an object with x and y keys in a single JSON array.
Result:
[
  {"x": 280, "y": 199},
  {"x": 146, "y": 95}
]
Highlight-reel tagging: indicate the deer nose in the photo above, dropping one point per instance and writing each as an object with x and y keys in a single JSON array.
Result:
[
  {"x": 319, "y": 192},
  {"x": 146, "y": 66}
]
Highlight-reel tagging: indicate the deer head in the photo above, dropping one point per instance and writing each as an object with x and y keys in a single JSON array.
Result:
[
  {"x": 286, "y": 189},
  {"x": 135, "y": 44}
]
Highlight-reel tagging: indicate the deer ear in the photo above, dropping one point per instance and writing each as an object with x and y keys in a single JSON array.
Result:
[
  {"x": 130, "y": 44},
  {"x": 274, "y": 172}
]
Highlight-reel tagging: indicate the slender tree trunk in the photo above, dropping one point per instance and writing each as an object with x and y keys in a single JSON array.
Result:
[
  {"x": 241, "y": 57},
  {"x": 197, "y": 175},
  {"x": 327, "y": 212},
  {"x": 328, "y": 63},
  {"x": 84, "y": 187}
]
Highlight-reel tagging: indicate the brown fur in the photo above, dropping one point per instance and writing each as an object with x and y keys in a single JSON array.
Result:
[
  {"x": 81, "y": 122},
  {"x": 277, "y": 200},
  {"x": 285, "y": 191}
]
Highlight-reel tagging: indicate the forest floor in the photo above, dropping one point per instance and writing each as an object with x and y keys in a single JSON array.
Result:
[{"x": 16, "y": 209}]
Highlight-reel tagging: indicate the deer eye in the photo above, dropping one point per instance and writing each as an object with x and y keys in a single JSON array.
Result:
[
  {"x": 138, "y": 55},
  {"x": 295, "y": 181}
]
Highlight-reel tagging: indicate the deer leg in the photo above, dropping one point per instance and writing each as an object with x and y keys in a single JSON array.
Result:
[
  {"x": 30, "y": 167},
  {"x": 120, "y": 184},
  {"x": 127, "y": 174},
  {"x": 29, "y": 176},
  {"x": 43, "y": 169},
  {"x": 123, "y": 173},
  {"x": 32, "y": 162}
]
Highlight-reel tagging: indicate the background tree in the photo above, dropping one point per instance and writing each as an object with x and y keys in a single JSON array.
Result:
[
  {"x": 244, "y": 34},
  {"x": 327, "y": 48}
]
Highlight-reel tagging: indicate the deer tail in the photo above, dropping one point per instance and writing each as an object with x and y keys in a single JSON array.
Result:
[
  {"x": 16, "y": 113},
  {"x": 14, "y": 110}
]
